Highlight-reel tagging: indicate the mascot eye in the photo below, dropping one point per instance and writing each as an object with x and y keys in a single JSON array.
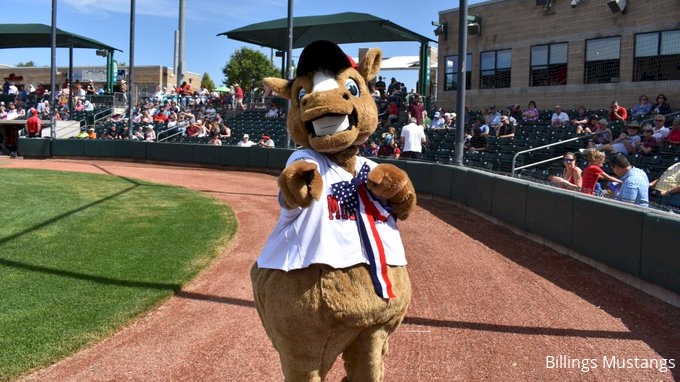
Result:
[
  {"x": 301, "y": 94},
  {"x": 352, "y": 86}
]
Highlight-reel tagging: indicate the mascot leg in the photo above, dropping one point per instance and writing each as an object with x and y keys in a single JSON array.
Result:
[
  {"x": 364, "y": 357},
  {"x": 307, "y": 338}
]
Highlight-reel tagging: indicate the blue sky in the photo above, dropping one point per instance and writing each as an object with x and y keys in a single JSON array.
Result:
[{"x": 156, "y": 20}]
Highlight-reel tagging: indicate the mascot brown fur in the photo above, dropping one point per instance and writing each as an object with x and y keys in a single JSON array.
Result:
[{"x": 331, "y": 279}]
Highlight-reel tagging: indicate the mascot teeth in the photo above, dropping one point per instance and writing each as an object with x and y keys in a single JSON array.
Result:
[{"x": 330, "y": 125}]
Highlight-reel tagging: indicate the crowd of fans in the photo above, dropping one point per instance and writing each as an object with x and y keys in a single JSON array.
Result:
[{"x": 403, "y": 125}]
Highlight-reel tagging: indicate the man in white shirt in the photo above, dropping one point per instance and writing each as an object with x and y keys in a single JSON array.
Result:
[
  {"x": 246, "y": 142},
  {"x": 660, "y": 130},
  {"x": 559, "y": 117},
  {"x": 412, "y": 140}
]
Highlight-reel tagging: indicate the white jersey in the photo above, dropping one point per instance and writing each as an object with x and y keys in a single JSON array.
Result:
[
  {"x": 413, "y": 137},
  {"x": 325, "y": 233}
]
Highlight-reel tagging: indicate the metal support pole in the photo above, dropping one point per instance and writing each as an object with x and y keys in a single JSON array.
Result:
[
  {"x": 462, "y": 66},
  {"x": 70, "y": 79},
  {"x": 131, "y": 85},
  {"x": 53, "y": 71},
  {"x": 180, "y": 54},
  {"x": 289, "y": 62}
]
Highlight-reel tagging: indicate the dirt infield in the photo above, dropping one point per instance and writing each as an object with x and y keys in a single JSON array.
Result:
[{"x": 487, "y": 305}]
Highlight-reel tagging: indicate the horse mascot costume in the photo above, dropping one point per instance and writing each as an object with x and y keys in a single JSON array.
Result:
[{"x": 331, "y": 279}]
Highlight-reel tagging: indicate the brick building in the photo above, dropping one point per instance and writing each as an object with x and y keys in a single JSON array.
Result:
[{"x": 579, "y": 52}]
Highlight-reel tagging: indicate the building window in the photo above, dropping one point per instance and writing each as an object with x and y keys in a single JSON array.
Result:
[
  {"x": 657, "y": 56},
  {"x": 603, "y": 60},
  {"x": 451, "y": 74},
  {"x": 495, "y": 71},
  {"x": 549, "y": 64}
]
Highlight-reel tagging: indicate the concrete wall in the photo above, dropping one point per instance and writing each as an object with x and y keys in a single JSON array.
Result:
[{"x": 641, "y": 242}]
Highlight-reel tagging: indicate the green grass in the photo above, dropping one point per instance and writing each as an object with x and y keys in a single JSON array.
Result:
[{"x": 82, "y": 254}]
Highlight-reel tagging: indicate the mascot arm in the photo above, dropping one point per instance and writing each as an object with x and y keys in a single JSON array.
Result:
[
  {"x": 300, "y": 183},
  {"x": 389, "y": 182}
]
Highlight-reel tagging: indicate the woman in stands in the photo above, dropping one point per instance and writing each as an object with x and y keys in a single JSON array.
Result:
[
  {"x": 661, "y": 107},
  {"x": 531, "y": 114},
  {"x": 593, "y": 173},
  {"x": 571, "y": 178}
]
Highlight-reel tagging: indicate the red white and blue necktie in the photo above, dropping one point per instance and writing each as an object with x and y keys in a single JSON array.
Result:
[{"x": 354, "y": 196}]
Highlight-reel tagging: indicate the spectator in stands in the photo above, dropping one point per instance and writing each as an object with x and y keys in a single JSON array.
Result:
[
  {"x": 412, "y": 140},
  {"x": 667, "y": 187},
  {"x": 90, "y": 89},
  {"x": 661, "y": 107},
  {"x": 88, "y": 106},
  {"x": 493, "y": 119},
  {"x": 481, "y": 123},
  {"x": 12, "y": 112},
  {"x": 506, "y": 129},
  {"x": 626, "y": 143},
  {"x": 635, "y": 184},
  {"x": 79, "y": 106},
  {"x": 266, "y": 142},
  {"x": 172, "y": 120},
  {"x": 160, "y": 117},
  {"x": 478, "y": 142},
  {"x": 673, "y": 136},
  {"x": 225, "y": 131},
  {"x": 110, "y": 133},
  {"x": 593, "y": 173},
  {"x": 531, "y": 113},
  {"x": 380, "y": 86},
  {"x": 273, "y": 111},
  {"x": 215, "y": 140},
  {"x": 417, "y": 110},
  {"x": 147, "y": 117},
  {"x": 82, "y": 134},
  {"x": 3, "y": 112},
  {"x": 572, "y": 177},
  {"x": 450, "y": 120},
  {"x": 617, "y": 113},
  {"x": 642, "y": 109},
  {"x": 33, "y": 125},
  {"x": 393, "y": 86},
  {"x": 91, "y": 134},
  {"x": 150, "y": 134},
  {"x": 648, "y": 144},
  {"x": 246, "y": 142},
  {"x": 438, "y": 122},
  {"x": 139, "y": 133},
  {"x": 559, "y": 118},
  {"x": 660, "y": 130},
  {"x": 580, "y": 120},
  {"x": 388, "y": 145},
  {"x": 602, "y": 134},
  {"x": 238, "y": 97}
]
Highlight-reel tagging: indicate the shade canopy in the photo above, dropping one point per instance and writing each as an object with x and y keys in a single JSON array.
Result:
[
  {"x": 40, "y": 36},
  {"x": 340, "y": 28}
]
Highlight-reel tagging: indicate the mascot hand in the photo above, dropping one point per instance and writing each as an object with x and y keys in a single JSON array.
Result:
[
  {"x": 389, "y": 182},
  {"x": 300, "y": 183}
]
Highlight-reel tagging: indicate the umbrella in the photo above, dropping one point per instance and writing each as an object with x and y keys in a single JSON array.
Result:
[
  {"x": 348, "y": 27},
  {"x": 222, "y": 89}
]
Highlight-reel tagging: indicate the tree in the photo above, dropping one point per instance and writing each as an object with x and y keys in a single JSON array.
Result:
[
  {"x": 248, "y": 67},
  {"x": 27, "y": 64},
  {"x": 207, "y": 82}
]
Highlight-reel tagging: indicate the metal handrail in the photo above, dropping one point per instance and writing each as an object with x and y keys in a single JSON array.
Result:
[
  {"x": 158, "y": 139},
  {"x": 514, "y": 157}
]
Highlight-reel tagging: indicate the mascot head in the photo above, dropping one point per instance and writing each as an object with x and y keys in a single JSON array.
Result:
[{"x": 331, "y": 106}]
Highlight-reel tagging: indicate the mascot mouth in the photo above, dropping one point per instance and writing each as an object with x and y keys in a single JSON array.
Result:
[{"x": 329, "y": 124}]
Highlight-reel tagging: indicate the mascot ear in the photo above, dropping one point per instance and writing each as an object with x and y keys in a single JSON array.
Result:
[
  {"x": 279, "y": 85},
  {"x": 370, "y": 65}
]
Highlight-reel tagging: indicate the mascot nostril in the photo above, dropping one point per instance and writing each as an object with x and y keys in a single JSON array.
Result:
[{"x": 331, "y": 280}]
